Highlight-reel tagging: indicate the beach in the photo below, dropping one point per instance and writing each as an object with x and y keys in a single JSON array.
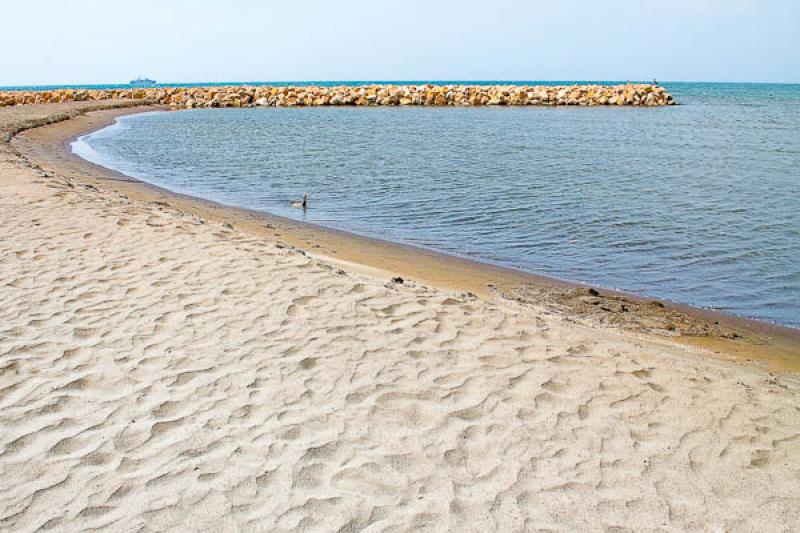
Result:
[{"x": 172, "y": 364}]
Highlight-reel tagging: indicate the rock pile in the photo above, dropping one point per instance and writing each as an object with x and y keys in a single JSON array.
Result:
[{"x": 364, "y": 95}]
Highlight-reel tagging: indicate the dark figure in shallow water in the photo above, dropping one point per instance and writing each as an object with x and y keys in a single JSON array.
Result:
[{"x": 301, "y": 204}]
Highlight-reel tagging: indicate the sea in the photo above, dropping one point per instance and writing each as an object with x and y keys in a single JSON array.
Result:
[{"x": 697, "y": 203}]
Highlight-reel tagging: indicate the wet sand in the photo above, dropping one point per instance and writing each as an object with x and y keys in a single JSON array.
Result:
[
  {"x": 775, "y": 346},
  {"x": 170, "y": 363}
]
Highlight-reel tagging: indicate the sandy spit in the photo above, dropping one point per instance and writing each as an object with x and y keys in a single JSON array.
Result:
[{"x": 161, "y": 371}]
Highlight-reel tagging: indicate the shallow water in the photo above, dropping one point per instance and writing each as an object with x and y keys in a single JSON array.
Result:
[{"x": 698, "y": 203}]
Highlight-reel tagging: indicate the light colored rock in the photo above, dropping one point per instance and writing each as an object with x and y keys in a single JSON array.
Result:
[{"x": 386, "y": 95}]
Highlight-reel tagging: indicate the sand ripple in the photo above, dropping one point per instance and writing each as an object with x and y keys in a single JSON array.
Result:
[{"x": 162, "y": 372}]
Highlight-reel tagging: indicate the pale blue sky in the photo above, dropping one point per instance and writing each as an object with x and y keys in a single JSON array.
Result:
[{"x": 92, "y": 41}]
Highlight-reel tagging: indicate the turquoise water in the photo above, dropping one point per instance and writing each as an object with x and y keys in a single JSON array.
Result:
[{"x": 697, "y": 203}]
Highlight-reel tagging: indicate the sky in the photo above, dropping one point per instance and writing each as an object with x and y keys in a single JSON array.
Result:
[{"x": 57, "y": 42}]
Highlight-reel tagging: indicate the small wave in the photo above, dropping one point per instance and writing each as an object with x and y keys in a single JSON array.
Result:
[{"x": 704, "y": 216}]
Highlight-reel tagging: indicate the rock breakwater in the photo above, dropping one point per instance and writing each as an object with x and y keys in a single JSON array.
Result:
[{"x": 362, "y": 95}]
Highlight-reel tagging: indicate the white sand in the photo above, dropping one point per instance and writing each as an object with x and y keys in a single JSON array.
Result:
[{"x": 159, "y": 372}]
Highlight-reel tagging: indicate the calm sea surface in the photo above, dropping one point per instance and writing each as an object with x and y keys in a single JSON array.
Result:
[{"x": 698, "y": 203}]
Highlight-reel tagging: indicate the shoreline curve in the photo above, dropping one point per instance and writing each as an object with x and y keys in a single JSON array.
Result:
[{"x": 48, "y": 145}]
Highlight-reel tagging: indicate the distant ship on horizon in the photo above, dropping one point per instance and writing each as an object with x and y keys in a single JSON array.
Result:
[{"x": 140, "y": 82}]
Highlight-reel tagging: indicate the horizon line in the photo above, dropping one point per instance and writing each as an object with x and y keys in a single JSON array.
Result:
[{"x": 395, "y": 81}]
